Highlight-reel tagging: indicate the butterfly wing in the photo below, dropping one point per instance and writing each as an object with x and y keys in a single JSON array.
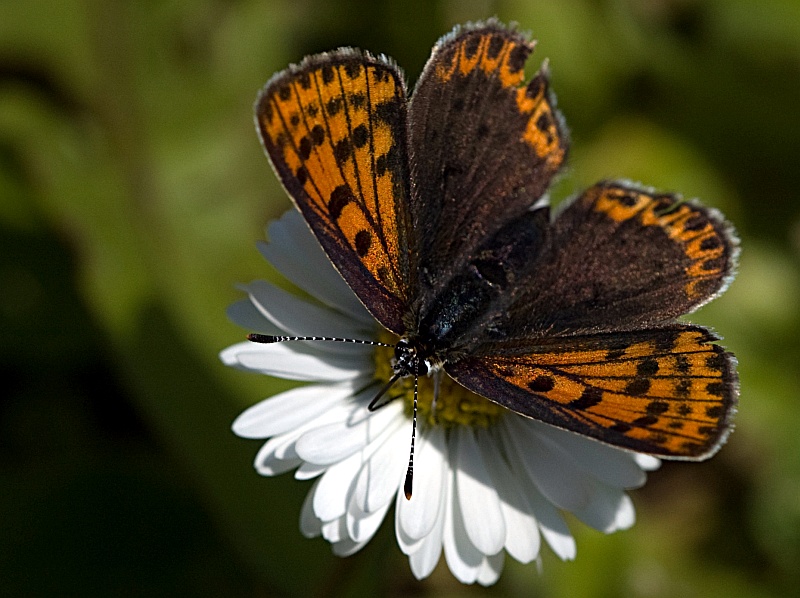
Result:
[
  {"x": 669, "y": 391},
  {"x": 484, "y": 147},
  {"x": 621, "y": 257},
  {"x": 334, "y": 128}
]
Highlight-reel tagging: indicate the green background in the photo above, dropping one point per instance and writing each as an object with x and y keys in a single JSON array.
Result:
[{"x": 133, "y": 190}]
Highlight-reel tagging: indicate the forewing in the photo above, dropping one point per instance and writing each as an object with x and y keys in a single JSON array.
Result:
[
  {"x": 622, "y": 257},
  {"x": 484, "y": 146},
  {"x": 334, "y": 128},
  {"x": 669, "y": 392}
]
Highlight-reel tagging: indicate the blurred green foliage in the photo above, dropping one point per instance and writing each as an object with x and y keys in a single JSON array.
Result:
[{"x": 133, "y": 189}]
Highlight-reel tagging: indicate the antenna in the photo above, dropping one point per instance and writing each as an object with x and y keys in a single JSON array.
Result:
[{"x": 256, "y": 337}]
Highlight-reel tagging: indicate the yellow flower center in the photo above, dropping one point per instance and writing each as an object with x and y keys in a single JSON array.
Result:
[{"x": 455, "y": 404}]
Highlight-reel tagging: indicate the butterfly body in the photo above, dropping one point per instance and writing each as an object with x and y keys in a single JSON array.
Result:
[{"x": 431, "y": 209}]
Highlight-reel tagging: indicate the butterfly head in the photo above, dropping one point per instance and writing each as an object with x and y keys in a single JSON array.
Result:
[{"x": 412, "y": 359}]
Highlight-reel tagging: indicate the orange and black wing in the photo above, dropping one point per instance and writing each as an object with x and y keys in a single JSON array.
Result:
[
  {"x": 484, "y": 146},
  {"x": 622, "y": 257},
  {"x": 669, "y": 392},
  {"x": 334, "y": 128}
]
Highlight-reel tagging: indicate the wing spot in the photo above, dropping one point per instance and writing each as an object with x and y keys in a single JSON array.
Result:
[
  {"x": 658, "y": 438},
  {"x": 621, "y": 427},
  {"x": 517, "y": 58},
  {"x": 318, "y": 134},
  {"x": 675, "y": 424},
  {"x": 340, "y": 197},
  {"x": 590, "y": 397},
  {"x": 358, "y": 100},
  {"x": 717, "y": 264},
  {"x": 667, "y": 342},
  {"x": 327, "y": 74},
  {"x": 544, "y": 122},
  {"x": 710, "y": 243},
  {"x": 647, "y": 368},
  {"x": 715, "y": 388},
  {"x": 695, "y": 222},
  {"x": 284, "y": 92},
  {"x": 353, "y": 70},
  {"x": 302, "y": 175},
  {"x": 360, "y": 136},
  {"x": 266, "y": 107},
  {"x": 334, "y": 105},
  {"x": 312, "y": 110},
  {"x": 294, "y": 120},
  {"x": 304, "y": 80},
  {"x": 534, "y": 88},
  {"x": 684, "y": 409},
  {"x": 305, "y": 147},
  {"x": 542, "y": 383},
  {"x": 363, "y": 242},
  {"x": 495, "y": 45},
  {"x": 645, "y": 421},
  {"x": 471, "y": 47},
  {"x": 627, "y": 199},
  {"x": 342, "y": 150},
  {"x": 616, "y": 353},
  {"x": 682, "y": 365},
  {"x": 637, "y": 386},
  {"x": 706, "y": 430},
  {"x": 657, "y": 407},
  {"x": 714, "y": 411},
  {"x": 716, "y": 362}
]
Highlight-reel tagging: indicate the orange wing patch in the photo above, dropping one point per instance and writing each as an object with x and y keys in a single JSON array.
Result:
[
  {"x": 693, "y": 228},
  {"x": 501, "y": 54},
  {"x": 671, "y": 395},
  {"x": 331, "y": 128}
]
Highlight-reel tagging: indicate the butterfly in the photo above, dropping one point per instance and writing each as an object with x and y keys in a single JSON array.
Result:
[{"x": 432, "y": 207}]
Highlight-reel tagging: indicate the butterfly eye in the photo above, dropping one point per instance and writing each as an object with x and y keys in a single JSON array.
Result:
[{"x": 401, "y": 349}]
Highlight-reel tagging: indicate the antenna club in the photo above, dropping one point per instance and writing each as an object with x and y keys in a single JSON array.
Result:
[{"x": 262, "y": 338}]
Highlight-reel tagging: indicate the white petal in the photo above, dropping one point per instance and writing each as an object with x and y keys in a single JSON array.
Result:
[
  {"x": 335, "y": 530},
  {"x": 245, "y": 315},
  {"x": 333, "y": 492},
  {"x": 549, "y": 467},
  {"x": 288, "y": 410},
  {"x": 383, "y": 472},
  {"x": 347, "y": 547},
  {"x": 282, "y": 361},
  {"x": 477, "y": 498},
  {"x": 310, "y": 525},
  {"x": 424, "y": 560},
  {"x": 277, "y": 456},
  {"x": 463, "y": 559},
  {"x": 431, "y": 470},
  {"x": 522, "y": 531},
  {"x": 301, "y": 318},
  {"x": 490, "y": 569},
  {"x": 339, "y": 440},
  {"x": 647, "y": 462},
  {"x": 426, "y": 552},
  {"x": 554, "y": 529},
  {"x": 296, "y": 254},
  {"x": 309, "y": 471},
  {"x": 606, "y": 463},
  {"x": 609, "y": 510},
  {"x": 362, "y": 526}
]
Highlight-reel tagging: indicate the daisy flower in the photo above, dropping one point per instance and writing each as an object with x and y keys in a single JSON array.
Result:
[{"x": 486, "y": 481}]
